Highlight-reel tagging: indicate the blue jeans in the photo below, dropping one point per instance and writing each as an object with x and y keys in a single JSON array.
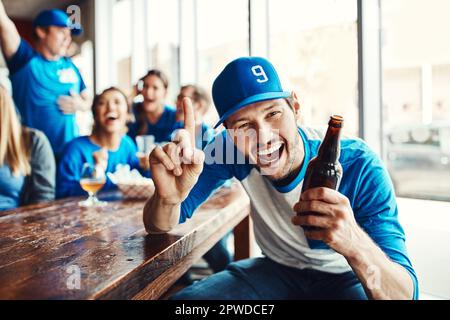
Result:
[
  {"x": 218, "y": 257},
  {"x": 264, "y": 279}
]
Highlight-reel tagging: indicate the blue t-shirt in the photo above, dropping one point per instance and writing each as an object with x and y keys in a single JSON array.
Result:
[
  {"x": 161, "y": 130},
  {"x": 10, "y": 188},
  {"x": 79, "y": 151},
  {"x": 202, "y": 137},
  {"x": 37, "y": 84},
  {"x": 365, "y": 183}
]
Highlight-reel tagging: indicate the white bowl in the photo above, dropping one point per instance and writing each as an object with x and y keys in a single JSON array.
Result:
[{"x": 137, "y": 191}]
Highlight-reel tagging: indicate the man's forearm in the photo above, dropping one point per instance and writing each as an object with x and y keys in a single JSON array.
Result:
[
  {"x": 9, "y": 36},
  {"x": 160, "y": 217},
  {"x": 380, "y": 277}
]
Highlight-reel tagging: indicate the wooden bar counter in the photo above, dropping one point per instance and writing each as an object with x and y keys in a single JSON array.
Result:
[{"x": 58, "y": 250}]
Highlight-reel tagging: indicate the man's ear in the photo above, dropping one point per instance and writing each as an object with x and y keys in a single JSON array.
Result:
[
  {"x": 295, "y": 103},
  {"x": 40, "y": 32}
]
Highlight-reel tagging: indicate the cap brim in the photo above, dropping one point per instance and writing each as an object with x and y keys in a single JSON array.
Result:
[
  {"x": 75, "y": 30},
  {"x": 256, "y": 98}
]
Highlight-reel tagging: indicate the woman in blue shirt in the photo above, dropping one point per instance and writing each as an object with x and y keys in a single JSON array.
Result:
[
  {"x": 107, "y": 146},
  {"x": 27, "y": 164},
  {"x": 153, "y": 116}
]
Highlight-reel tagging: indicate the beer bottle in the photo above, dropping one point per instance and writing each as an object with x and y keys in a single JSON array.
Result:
[{"x": 324, "y": 170}]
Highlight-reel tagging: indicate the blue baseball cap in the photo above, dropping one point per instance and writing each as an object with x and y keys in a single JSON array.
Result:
[
  {"x": 56, "y": 17},
  {"x": 245, "y": 81}
]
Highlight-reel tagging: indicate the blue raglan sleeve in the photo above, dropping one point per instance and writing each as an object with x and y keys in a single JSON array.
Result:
[
  {"x": 215, "y": 173},
  {"x": 69, "y": 174},
  {"x": 22, "y": 56},
  {"x": 212, "y": 177},
  {"x": 376, "y": 212},
  {"x": 82, "y": 84}
]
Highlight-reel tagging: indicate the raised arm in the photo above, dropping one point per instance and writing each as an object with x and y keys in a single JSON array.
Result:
[
  {"x": 175, "y": 169},
  {"x": 9, "y": 36}
]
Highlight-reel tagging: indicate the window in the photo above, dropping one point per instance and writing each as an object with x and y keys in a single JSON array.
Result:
[
  {"x": 314, "y": 46},
  {"x": 222, "y": 28},
  {"x": 121, "y": 43},
  {"x": 416, "y": 97},
  {"x": 163, "y": 41}
]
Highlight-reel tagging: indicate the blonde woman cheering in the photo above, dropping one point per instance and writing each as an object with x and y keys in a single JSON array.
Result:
[{"x": 27, "y": 164}]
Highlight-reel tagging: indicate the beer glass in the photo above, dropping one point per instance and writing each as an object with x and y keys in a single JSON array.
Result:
[{"x": 92, "y": 180}]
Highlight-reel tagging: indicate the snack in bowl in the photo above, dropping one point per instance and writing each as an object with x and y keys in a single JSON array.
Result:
[{"x": 131, "y": 183}]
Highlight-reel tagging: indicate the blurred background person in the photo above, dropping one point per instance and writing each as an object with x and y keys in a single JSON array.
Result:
[
  {"x": 27, "y": 165},
  {"x": 152, "y": 115},
  {"x": 46, "y": 84},
  {"x": 201, "y": 102},
  {"x": 107, "y": 146}
]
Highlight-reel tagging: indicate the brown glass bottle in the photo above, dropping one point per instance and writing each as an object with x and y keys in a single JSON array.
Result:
[{"x": 324, "y": 170}]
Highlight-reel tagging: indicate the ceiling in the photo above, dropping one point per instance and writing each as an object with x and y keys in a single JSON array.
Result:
[{"x": 28, "y": 9}]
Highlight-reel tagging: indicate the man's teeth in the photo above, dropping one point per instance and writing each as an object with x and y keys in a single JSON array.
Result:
[{"x": 270, "y": 150}]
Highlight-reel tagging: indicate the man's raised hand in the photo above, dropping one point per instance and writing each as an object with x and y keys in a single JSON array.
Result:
[{"x": 177, "y": 165}]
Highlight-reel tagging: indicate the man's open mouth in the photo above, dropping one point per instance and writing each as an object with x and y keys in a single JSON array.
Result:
[{"x": 269, "y": 156}]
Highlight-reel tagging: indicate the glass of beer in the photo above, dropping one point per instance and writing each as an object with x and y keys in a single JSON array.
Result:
[{"x": 92, "y": 180}]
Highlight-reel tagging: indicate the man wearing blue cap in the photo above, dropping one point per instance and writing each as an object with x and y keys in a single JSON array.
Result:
[
  {"x": 47, "y": 87},
  {"x": 357, "y": 248}
]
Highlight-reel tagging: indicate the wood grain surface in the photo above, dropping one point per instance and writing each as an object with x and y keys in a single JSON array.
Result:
[{"x": 43, "y": 248}]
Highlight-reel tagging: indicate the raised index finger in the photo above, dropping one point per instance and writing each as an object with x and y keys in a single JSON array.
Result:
[{"x": 189, "y": 119}]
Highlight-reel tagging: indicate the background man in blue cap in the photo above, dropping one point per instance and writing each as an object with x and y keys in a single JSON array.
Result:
[
  {"x": 359, "y": 251},
  {"x": 47, "y": 87}
]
